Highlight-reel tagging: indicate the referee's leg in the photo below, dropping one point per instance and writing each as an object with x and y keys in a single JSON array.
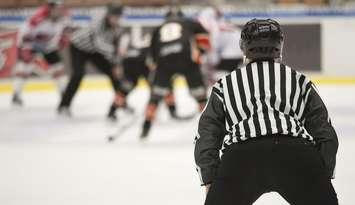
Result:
[
  {"x": 242, "y": 176},
  {"x": 78, "y": 60},
  {"x": 301, "y": 178}
]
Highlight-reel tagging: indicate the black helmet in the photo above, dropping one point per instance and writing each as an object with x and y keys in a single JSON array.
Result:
[
  {"x": 114, "y": 9},
  {"x": 54, "y": 2},
  {"x": 174, "y": 13},
  {"x": 261, "y": 39}
]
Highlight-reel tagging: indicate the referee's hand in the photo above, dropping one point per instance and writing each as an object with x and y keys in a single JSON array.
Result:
[{"x": 207, "y": 188}]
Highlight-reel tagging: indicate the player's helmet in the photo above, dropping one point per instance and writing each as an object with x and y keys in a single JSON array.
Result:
[
  {"x": 55, "y": 2},
  {"x": 174, "y": 13},
  {"x": 114, "y": 9},
  {"x": 262, "y": 39}
]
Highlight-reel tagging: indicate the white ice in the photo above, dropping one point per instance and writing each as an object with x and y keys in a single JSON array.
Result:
[{"x": 49, "y": 160}]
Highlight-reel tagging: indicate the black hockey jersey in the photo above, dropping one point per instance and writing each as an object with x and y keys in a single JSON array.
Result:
[{"x": 175, "y": 39}]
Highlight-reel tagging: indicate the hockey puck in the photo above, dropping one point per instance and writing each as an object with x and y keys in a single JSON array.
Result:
[{"x": 110, "y": 138}]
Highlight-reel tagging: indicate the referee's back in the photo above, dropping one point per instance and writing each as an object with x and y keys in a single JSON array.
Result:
[
  {"x": 272, "y": 127},
  {"x": 263, "y": 98}
]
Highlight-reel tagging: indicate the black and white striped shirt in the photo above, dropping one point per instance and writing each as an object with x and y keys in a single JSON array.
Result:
[
  {"x": 259, "y": 99},
  {"x": 98, "y": 38},
  {"x": 264, "y": 98}
]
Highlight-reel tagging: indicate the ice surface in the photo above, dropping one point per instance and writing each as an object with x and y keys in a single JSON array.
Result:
[{"x": 50, "y": 160}]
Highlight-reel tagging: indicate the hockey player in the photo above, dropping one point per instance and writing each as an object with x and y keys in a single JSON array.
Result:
[
  {"x": 224, "y": 55},
  {"x": 175, "y": 48},
  {"x": 272, "y": 127},
  {"x": 96, "y": 44},
  {"x": 42, "y": 34},
  {"x": 136, "y": 64},
  {"x": 230, "y": 55}
]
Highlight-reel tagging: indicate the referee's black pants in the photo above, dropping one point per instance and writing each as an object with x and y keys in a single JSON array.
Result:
[
  {"x": 79, "y": 59},
  {"x": 289, "y": 166}
]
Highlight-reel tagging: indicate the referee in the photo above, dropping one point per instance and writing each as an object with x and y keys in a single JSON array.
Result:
[
  {"x": 271, "y": 126},
  {"x": 97, "y": 44}
]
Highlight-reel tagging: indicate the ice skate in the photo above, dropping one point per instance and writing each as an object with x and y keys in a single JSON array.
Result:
[{"x": 17, "y": 100}]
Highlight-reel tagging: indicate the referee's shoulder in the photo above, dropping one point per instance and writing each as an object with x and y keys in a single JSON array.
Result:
[
  {"x": 221, "y": 82},
  {"x": 297, "y": 72}
]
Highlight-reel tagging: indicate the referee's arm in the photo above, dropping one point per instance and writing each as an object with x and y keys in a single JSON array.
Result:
[
  {"x": 211, "y": 131},
  {"x": 318, "y": 124}
]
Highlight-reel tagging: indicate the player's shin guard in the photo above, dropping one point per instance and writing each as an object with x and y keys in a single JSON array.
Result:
[
  {"x": 112, "y": 112},
  {"x": 119, "y": 102},
  {"x": 146, "y": 128},
  {"x": 58, "y": 74},
  {"x": 61, "y": 83},
  {"x": 149, "y": 117},
  {"x": 122, "y": 88},
  {"x": 21, "y": 72}
]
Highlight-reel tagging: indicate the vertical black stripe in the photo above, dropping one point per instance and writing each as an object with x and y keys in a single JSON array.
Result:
[
  {"x": 273, "y": 95},
  {"x": 229, "y": 120},
  {"x": 220, "y": 84},
  {"x": 283, "y": 85},
  {"x": 243, "y": 100},
  {"x": 288, "y": 123},
  {"x": 308, "y": 86},
  {"x": 232, "y": 97},
  {"x": 253, "y": 100},
  {"x": 293, "y": 91},
  {"x": 228, "y": 117},
  {"x": 299, "y": 100},
  {"x": 242, "y": 92},
  {"x": 262, "y": 98},
  {"x": 237, "y": 131},
  {"x": 304, "y": 96}
]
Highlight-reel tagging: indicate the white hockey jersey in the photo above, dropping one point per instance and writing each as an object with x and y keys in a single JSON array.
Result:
[
  {"x": 224, "y": 36},
  {"x": 40, "y": 33}
]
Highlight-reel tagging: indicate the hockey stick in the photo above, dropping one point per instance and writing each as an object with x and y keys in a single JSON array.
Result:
[
  {"x": 184, "y": 117},
  {"x": 122, "y": 128}
]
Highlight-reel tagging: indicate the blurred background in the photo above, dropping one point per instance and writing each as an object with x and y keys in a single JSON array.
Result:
[
  {"x": 249, "y": 3},
  {"x": 46, "y": 159},
  {"x": 328, "y": 24}
]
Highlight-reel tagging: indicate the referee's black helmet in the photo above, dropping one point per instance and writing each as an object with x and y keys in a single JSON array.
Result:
[{"x": 262, "y": 39}]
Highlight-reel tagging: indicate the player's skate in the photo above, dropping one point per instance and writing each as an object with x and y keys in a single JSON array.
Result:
[
  {"x": 112, "y": 115},
  {"x": 64, "y": 111},
  {"x": 146, "y": 128},
  {"x": 16, "y": 100},
  {"x": 172, "y": 111}
]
